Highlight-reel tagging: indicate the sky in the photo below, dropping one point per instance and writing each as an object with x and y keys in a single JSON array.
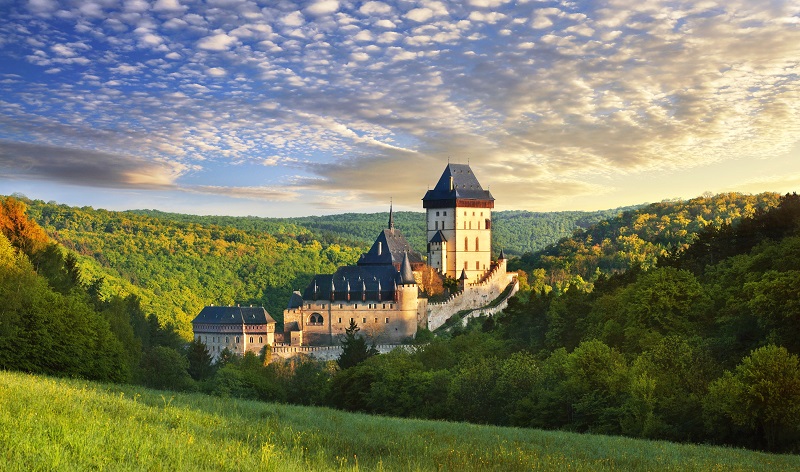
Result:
[{"x": 284, "y": 108}]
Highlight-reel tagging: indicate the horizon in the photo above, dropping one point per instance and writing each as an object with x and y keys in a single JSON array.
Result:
[
  {"x": 376, "y": 212},
  {"x": 319, "y": 107}
]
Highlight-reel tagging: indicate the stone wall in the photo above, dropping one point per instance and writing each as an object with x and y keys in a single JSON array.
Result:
[
  {"x": 325, "y": 353},
  {"x": 473, "y": 296}
]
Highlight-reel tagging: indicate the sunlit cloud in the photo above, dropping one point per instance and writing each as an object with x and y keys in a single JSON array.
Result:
[{"x": 361, "y": 99}]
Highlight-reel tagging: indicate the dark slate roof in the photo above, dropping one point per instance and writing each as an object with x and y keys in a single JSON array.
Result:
[
  {"x": 406, "y": 275},
  {"x": 502, "y": 255},
  {"x": 464, "y": 185},
  {"x": 392, "y": 245},
  {"x": 233, "y": 315},
  {"x": 368, "y": 280},
  {"x": 295, "y": 301},
  {"x": 438, "y": 237}
]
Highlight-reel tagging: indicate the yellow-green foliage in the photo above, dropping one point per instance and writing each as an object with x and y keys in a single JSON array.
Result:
[{"x": 56, "y": 424}]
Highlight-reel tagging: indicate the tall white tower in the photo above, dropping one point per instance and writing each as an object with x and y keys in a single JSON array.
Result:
[{"x": 459, "y": 223}]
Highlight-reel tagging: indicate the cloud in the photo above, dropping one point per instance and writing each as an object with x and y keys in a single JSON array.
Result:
[
  {"x": 375, "y": 8},
  {"x": 278, "y": 194},
  {"x": 85, "y": 167},
  {"x": 293, "y": 19},
  {"x": 217, "y": 42},
  {"x": 487, "y": 3},
  {"x": 560, "y": 94},
  {"x": 42, "y": 7},
  {"x": 168, "y": 6},
  {"x": 322, "y": 7},
  {"x": 419, "y": 14}
]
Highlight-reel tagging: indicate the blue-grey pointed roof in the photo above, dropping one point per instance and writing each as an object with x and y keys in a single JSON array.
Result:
[
  {"x": 457, "y": 182},
  {"x": 406, "y": 274},
  {"x": 233, "y": 315}
]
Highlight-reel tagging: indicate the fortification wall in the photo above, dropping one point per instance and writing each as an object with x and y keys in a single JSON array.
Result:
[
  {"x": 325, "y": 353},
  {"x": 473, "y": 296}
]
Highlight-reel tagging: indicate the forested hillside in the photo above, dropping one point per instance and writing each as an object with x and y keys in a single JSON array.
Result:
[
  {"x": 176, "y": 268},
  {"x": 700, "y": 346},
  {"x": 51, "y": 322},
  {"x": 514, "y": 231},
  {"x": 636, "y": 238}
]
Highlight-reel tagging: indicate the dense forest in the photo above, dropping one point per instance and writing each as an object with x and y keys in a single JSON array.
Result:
[
  {"x": 177, "y": 268},
  {"x": 515, "y": 231},
  {"x": 697, "y": 342},
  {"x": 175, "y": 264},
  {"x": 635, "y": 238}
]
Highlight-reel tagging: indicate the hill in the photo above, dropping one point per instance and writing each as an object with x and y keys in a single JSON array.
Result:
[
  {"x": 59, "y": 424},
  {"x": 175, "y": 264},
  {"x": 514, "y": 231},
  {"x": 636, "y": 238},
  {"x": 175, "y": 268}
]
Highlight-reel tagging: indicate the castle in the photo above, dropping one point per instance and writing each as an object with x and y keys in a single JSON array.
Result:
[{"x": 386, "y": 292}]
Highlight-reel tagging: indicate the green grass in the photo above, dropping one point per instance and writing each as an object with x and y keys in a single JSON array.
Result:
[{"x": 61, "y": 424}]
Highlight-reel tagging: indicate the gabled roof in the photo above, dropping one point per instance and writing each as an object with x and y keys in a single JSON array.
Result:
[
  {"x": 361, "y": 282},
  {"x": 388, "y": 248},
  {"x": 233, "y": 315},
  {"x": 458, "y": 182}
]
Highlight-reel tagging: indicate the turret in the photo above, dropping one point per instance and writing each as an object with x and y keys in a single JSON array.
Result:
[{"x": 406, "y": 274}]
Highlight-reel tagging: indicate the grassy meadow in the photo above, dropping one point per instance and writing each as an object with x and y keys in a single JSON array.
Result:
[{"x": 64, "y": 424}]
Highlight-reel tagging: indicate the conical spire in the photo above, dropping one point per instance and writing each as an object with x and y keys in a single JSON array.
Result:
[
  {"x": 463, "y": 275},
  {"x": 391, "y": 216},
  {"x": 502, "y": 255},
  {"x": 406, "y": 274}
]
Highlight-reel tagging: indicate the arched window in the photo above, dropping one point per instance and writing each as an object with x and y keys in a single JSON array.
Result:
[
  {"x": 477, "y": 244},
  {"x": 315, "y": 319},
  {"x": 466, "y": 244}
]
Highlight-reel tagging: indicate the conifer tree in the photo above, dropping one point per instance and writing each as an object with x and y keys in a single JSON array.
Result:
[{"x": 355, "y": 349}]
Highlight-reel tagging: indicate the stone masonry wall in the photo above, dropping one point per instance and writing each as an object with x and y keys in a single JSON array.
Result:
[{"x": 473, "y": 296}]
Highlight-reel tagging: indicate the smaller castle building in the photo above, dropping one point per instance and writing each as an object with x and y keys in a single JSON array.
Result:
[{"x": 239, "y": 329}]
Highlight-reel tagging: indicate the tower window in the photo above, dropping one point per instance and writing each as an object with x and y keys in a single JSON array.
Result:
[
  {"x": 477, "y": 244},
  {"x": 444, "y": 213},
  {"x": 437, "y": 225},
  {"x": 437, "y": 213},
  {"x": 363, "y": 320},
  {"x": 477, "y": 265},
  {"x": 387, "y": 320},
  {"x": 466, "y": 244}
]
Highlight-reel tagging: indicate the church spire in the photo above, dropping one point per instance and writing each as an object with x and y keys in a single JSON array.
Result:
[{"x": 391, "y": 216}]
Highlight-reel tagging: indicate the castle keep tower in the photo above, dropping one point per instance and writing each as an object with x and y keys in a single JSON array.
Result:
[{"x": 459, "y": 224}]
